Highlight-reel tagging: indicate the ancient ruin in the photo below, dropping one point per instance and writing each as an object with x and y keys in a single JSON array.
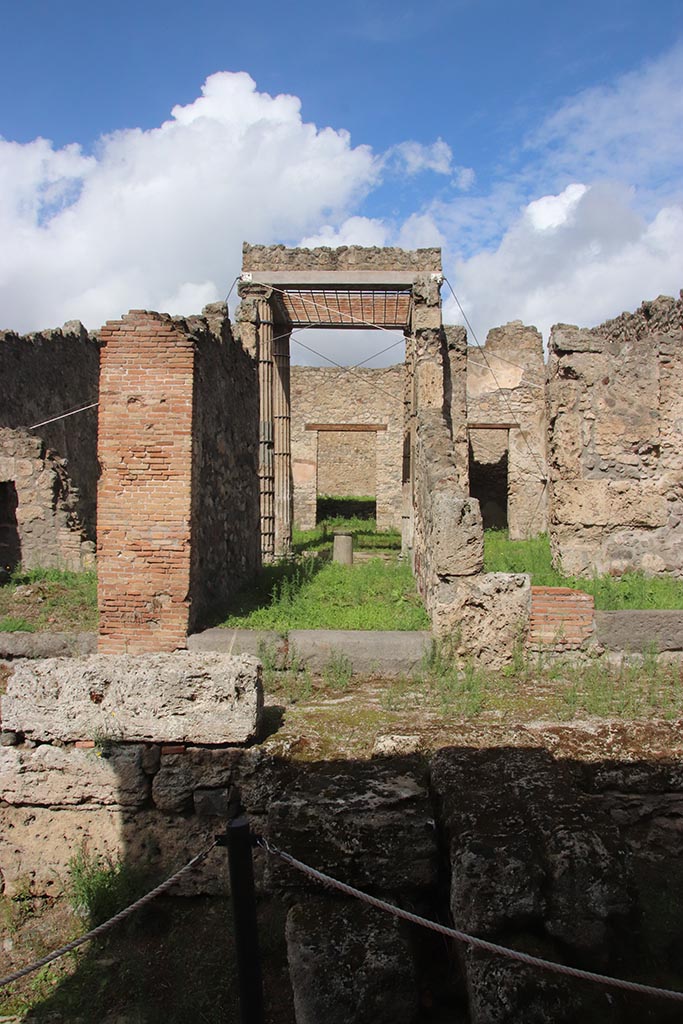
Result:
[
  {"x": 211, "y": 446},
  {"x": 186, "y": 448}
]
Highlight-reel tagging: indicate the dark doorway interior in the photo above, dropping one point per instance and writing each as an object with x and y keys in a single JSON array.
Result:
[
  {"x": 489, "y": 484},
  {"x": 330, "y": 507},
  {"x": 10, "y": 543}
]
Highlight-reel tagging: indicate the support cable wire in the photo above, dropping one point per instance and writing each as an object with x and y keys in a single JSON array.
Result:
[
  {"x": 481, "y": 348},
  {"x": 102, "y": 928},
  {"x": 470, "y": 940},
  {"x": 63, "y": 415}
]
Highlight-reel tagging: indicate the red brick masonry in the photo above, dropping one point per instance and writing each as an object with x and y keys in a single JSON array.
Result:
[
  {"x": 144, "y": 494},
  {"x": 560, "y": 617}
]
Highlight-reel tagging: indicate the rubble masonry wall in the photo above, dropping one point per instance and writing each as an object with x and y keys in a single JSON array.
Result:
[
  {"x": 506, "y": 384},
  {"x": 54, "y": 467},
  {"x": 615, "y": 411}
]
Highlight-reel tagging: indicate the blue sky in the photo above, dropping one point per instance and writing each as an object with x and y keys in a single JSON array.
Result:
[{"x": 539, "y": 143}]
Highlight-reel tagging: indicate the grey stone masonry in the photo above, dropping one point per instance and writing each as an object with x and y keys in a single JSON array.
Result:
[{"x": 169, "y": 698}]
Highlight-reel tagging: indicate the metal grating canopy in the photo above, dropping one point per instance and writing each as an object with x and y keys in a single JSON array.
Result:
[{"x": 347, "y": 307}]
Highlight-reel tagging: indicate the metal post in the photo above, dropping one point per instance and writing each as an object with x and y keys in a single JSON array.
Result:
[{"x": 246, "y": 930}]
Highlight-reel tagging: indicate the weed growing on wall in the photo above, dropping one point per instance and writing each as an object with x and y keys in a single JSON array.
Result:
[
  {"x": 632, "y": 590},
  {"x": 99, "y": 886}
]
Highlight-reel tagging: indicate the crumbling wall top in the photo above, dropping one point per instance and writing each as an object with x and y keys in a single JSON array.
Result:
[
  {"x": 260, "y": 258},
  {"x": 663, "y": 315}
]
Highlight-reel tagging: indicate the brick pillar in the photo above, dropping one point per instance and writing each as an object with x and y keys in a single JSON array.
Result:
[
  {"x": 144, "y": 493},
  {"x": 266, "y": 468},
  {"x": 282, "y": 447}
]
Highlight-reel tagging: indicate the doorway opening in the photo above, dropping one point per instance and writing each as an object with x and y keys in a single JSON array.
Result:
[
  {"x": 10, "y": 541},
  {"x": 489, "y": 485}
]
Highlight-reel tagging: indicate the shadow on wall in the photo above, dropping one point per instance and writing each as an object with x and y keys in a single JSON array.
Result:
[
  {"x": 573, "y": 859},
  {"x": 10, "y": 541}
]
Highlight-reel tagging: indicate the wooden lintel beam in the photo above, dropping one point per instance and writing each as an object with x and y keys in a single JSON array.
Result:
[
  {"x": 492, "y": 426},
  {"x": 346, "y": 426}
]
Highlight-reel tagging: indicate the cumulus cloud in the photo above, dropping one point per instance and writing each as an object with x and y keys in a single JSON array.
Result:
[
  {"x": 353, "y": 231},
  {"x": 607, "y": 232},
  {"x": 156, "y": 218},
  {"x": 579, "y": 257}
]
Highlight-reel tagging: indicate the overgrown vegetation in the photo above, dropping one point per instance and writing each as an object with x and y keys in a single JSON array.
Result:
[
  {"x": 100, "y": 886},
  {"x": 313, "y": 594},
  {"x": 632, "y": 590},
  {"x": 366, "y": 536},
  {"x": 48, "y": 599}
]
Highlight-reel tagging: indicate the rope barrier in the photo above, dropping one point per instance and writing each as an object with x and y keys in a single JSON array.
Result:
[
  {"x": 102, "y": 928},
  {"x": 465, "y": 937}
]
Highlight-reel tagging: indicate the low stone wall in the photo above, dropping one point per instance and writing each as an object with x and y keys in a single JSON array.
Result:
[{"x": 127, "y": 756}]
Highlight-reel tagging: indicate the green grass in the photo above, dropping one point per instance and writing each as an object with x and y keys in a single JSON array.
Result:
[
  {"x": 632, "y": 590},
  {"x": 366, "y": 536},
  {"x": 48, "y": 599},
  {"x": 313, "y": 594}
]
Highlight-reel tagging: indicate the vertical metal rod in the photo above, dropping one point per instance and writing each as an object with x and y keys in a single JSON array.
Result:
[{"x": 246, "y": 930}]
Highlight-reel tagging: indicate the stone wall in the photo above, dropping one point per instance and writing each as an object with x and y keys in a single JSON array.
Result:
[
  {"x": 178, "y": 435},
  {"x": 130, "y": 756},
  {"x": 663, "y": 315},
  {"x": 615, "y": 406},
  {"x": 346, "y": 257},
  {"x": 506, "y": 386},
  {"x": 55, "y": 465},
  {"x": 347, "y": 462},
  {"x": 225, "y": 492},
  {"x": 40, "y": 521}
]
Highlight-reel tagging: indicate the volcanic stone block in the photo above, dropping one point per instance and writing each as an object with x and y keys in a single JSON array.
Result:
[
  {"x": 58, "y": 777},
  {"x": 171, "y": 698},
  {"x": 180, "y": 774},
  {"x": 354, "y": 822},
  {"x": 349, "y": 964}
]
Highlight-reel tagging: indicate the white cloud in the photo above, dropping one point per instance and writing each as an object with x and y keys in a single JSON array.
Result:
[
  {"x": 600, "y": 259},
  {"x": 592, "y": 223},
  {"x": 553, "y": 211},
  {"x": 629, "y": 129},
  {"x": 353, "y": 231},
  {"x": 156, "y": 218},
  {"x": 413, "y": 157}
]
